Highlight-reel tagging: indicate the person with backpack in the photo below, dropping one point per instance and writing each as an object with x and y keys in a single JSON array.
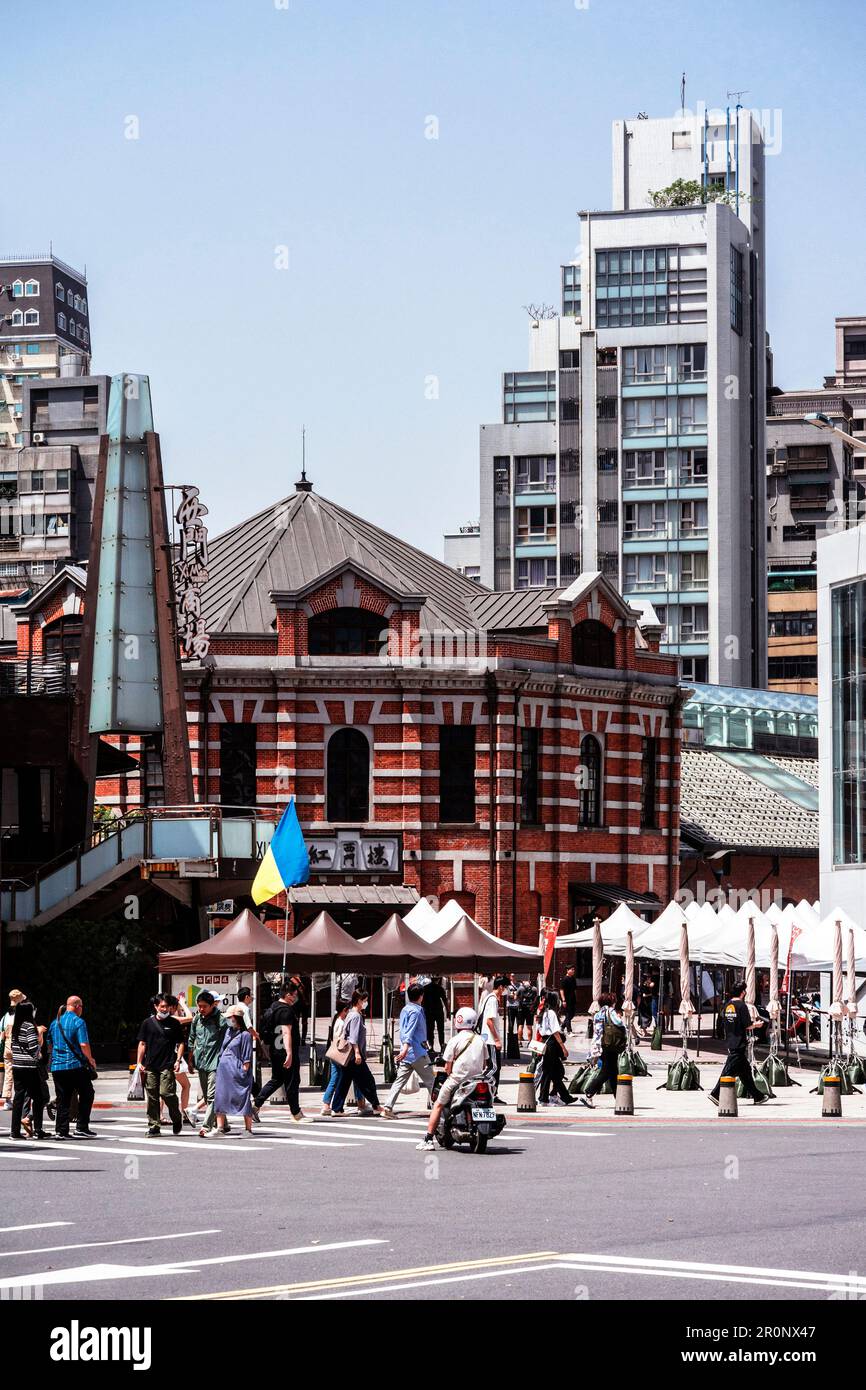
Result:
[
  {"x": 608, "y": 1041},
  {"x": 282, "y": 1032},
  {"x": 73, "y": 1069},
  {"x": 26, "y": 1040},
  {"x": 527, "y": 1003}
]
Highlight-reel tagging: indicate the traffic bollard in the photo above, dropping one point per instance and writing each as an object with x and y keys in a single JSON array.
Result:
[
  {"x": 728, "y": 1096},
  {"x": 526, "y": 1091},
  {"x": 624, "y": 1103},
  {"x": 831, "y": 1099}
]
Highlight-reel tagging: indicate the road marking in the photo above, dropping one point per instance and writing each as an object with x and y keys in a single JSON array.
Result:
[
  {"x": 524, "y": 1129},
  {"x": 92, "y": 1244},
  {"x": 176, "y": 1144},
  {"x": 38, "y": 1158},
  {"x": 379, "y": 1289},
  {"x": 84, "y": 1274},
  {"x": 35, "y": 1226},
  {"x": 694, "y": 1268},
  {"x": 319, "y": 1285}
]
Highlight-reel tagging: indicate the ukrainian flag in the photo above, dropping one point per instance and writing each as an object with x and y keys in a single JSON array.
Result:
[{"x": 286, "y": 860}]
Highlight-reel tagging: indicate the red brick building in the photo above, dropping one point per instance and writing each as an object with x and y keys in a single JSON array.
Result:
[{"x": 516, "y": 751}]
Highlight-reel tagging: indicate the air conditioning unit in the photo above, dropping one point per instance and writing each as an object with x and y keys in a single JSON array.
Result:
[
  {"x": 19, "y": 361},
  {"x": 38, "y": 438}
]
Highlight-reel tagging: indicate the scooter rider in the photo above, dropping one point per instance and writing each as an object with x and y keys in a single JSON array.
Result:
[{"x": 466, "y": 1058}]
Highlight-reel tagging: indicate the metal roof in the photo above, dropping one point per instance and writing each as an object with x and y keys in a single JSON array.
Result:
[
  {"x": 737, "y": 803},
  {"x": 512, "y": 608},
  {"x": 305, "y": 537},
  {"x": 384, "y": 894}
]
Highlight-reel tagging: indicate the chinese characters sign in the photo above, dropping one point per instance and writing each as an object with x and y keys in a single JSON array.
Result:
[{"x": 189, "y": 571}]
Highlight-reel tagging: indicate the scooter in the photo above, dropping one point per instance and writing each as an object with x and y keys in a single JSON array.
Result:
[{"x": 470, "y": 1118}]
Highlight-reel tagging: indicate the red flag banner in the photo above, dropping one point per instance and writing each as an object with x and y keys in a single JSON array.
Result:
[
  {"x": 795, "y": 932},
  {"x": 549, "y": 928}
]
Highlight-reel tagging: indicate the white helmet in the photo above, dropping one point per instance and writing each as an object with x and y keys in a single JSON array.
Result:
[{"x": 465, "y": 1018}]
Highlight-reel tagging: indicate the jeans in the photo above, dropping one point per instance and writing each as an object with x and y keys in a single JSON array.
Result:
[
  {"x": 162, "y": 1086},
  {"x": 332, "y": 1086},
  {"x": 424, "y": 1072},
  {"x": 27, "y": 1083},
  {"x": 67, "y": 1084},
  {"x": 290, "y": 1079},
  {"x": 207, "y": 1083},
  {"x": 737, "y": 1064},
  {"x": 362, "y": 1076},
  {"x": 495, "y": 1055}
]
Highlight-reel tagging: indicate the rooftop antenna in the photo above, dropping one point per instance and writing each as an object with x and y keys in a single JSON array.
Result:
[
  {"x": 743, "y": 93},
  {"x": 683, "y": 92}
]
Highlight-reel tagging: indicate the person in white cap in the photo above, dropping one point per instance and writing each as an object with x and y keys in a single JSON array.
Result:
[{"x": 466, "y": 1059}]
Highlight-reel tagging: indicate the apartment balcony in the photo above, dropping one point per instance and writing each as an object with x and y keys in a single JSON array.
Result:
[{"x": 808, "y": 502}]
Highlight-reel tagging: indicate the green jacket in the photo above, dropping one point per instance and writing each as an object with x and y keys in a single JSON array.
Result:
[{"x": 205, "y": 1038}]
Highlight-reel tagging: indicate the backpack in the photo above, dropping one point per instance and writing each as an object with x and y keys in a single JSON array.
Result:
[
  {"x": 612, "y": 1034},
  {"x": 268, "y": 1028}
]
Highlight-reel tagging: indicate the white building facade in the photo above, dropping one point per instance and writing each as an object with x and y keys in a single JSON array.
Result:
[{"x": 635, "y": 442}]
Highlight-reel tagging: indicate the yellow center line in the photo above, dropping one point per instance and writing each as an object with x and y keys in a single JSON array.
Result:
[{"x": 352, "y": 1280}]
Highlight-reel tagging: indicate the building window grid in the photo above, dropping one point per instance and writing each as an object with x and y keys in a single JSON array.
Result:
[{"x": 848, "y": 675}]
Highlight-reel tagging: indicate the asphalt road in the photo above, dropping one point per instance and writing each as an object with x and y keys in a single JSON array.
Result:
[{"x": 560, "y": 1207}]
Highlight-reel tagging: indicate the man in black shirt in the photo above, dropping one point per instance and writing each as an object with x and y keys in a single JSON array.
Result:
[
  {"x": 738, "y": 1024},
  {"x": 568, "y": 995},
  {"x": 160, "y": 1049},
  {"x": 284, "y": 1039}
]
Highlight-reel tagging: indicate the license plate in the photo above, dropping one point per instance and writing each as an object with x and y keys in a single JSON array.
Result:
[{"x": 482, "y": 1114}]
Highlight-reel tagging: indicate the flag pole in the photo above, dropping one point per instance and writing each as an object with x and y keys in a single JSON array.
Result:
[{"x": 285, "y": 936}]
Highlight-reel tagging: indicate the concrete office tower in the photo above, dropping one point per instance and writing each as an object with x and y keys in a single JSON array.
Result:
[
  {"x": 51, "y": 413},
  {"x": 462, "y": 550},
  {"x": 635, "y": 443},
  {"x": 850, "y": 376}
]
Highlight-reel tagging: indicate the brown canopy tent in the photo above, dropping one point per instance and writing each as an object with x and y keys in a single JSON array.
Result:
[
  {"x": 466, "y": 947},
  {"x": 394, "y": 947},
  {"x": 245, "y": 944}
]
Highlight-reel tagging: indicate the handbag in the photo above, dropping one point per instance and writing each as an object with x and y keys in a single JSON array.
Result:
[
  {"x": 340, "y": 1052},
  {"x": 136, "y": 1086},
  {"x": 73, "y": 1047}
]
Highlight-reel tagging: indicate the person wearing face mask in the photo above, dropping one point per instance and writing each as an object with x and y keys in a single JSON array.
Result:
[
  {"x": 160, "y": 1052},
  {"x": 356, "y": 1069},
  {"x": 234, "y": 1077}
]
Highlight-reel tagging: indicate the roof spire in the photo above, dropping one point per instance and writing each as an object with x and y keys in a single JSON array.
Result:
[{"x": 302, "y": 485}]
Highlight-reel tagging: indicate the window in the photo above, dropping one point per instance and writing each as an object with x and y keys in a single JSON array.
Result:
[
  {"x": 569, "y": 359},
  {"x": 631, "y": 287},
  {"x": 649, "y": 783},
  {"x": 643, "y": 365},
  {"x": 59, "y": 292},
  {"x": 607, "y": 460},
  {"x": 693, "y": 467},
  {"x": 647, "y": 415},
  {"x": 17, "y": 289},
  {"x": 529, "y": 396},
  {"x": 502, "y": 474},
  {"x": 590, "y": 781},
  {"x": 31, "y": 288},
  {"x": 457, "y": 773},
  {"x": 694, "y": 622},
  {"x": 84, "y": 306},
  {"x": 31, "y": 317},
  {"x": 592, "y": 644},
  {"x": 569, "y": 409},
  {"x": 535, "y": 473},
  {"x": 606, "y": 357},
  {"x": 61, "y": 322},
  {"x": 62, "y": 480},
  {"x": 61, "y": 640},
  {"x": 736, "y": 290},
  {"x": 803, "y": 531},
  {"x": 77, "y": 301},
  {"x": 692, "y": 415},
  {"x": 571, "y": 292},
  {"x": 607, "y": 512},
  {"x": 791, "y": 583},
  {"x": 692, "y": 362},
  {"x": 694, "y": 573},
  {"x": 17, "y": 320},
  {"x": 855, "y": 347},
  {"x": 529, "y": 780},
  {"x": 793, "y": 624},
  {"x": 792, "y": 668},
  {"x": 346, "y": 632},
  {"x": 644, "y": 519},
  {"x": 37, "y": 482},
  {"x": 694, "y": 668},
  {"x": 681, "y": 140},
  {"x": 848, "y": 647},
  {"x": 348, "y": 777},
  {"x": 536, "y": 574},
  {"x": 56, "y": 524},
  {"x": 536, "y": 523},
  {"x": 237, "y": 767},
  {"x": 605, "y": 408},
  {"x": 644, "y": 468},
  {"x": 693, "y": 518},
  {"x": 72, "y": 328},
  {"x": 33, "y": 348},
  {"x": 645, "y": 572},
  {"x": 70, "y": 298}
]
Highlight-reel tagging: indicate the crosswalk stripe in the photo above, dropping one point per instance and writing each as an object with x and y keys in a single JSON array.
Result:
[{"x": 179, "y": 1144}]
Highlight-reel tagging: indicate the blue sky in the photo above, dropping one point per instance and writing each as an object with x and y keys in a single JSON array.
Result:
[{"x": 262, "y": 127}]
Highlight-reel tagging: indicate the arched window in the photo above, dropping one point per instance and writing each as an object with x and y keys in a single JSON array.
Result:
[
  {"x": 592, "y": 644},
  {"x": 348, "y": 777},
  {"x": 60, "y": 292},
  {"x": 17, "y": 289},
  {"x": 70, "y": 298},
  {"x": 346, "y": 632},
  {"x": 590, "y": 781},
  {"x": 61, "y": 322},
  {"x": 31, "y": 288},
  {"x": 32, "y": 317},
  {"x": 17, "y": 319}
]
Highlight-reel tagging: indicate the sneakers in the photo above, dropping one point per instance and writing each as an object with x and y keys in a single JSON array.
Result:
[
  {"x": 387, "y": 1113},
  {"x": 177, "y": 1127},
  {"x": 187, "y": 1118},
  {"x": 427, "y": 1143},
  {"x": 85, "y": 1134},
  {"x": 153, "y": 1133},
  {"x": 587, "y": 1101},
  {"x": 760, "y": 1100},
  {"x": 257, "y": 1119},
  {"x": 714, "y": 1100},
  {"x": 325, "y": 1110},
  {"x": 301, "y": 1118}
]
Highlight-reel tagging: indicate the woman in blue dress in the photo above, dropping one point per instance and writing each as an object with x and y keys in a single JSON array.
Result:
[{"x": 234, "y": 1078}]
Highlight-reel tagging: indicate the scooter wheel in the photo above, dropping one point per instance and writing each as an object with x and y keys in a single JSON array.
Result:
[
  {"x": 447, "y": 1138},
  {"x": 478, "y": 1144}
]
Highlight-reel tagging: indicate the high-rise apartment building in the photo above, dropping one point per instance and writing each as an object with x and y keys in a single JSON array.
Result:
[
  {"x": 635, "y": 442},
  {"x": 51, "y": 413},
  {"x": 850, "y": 376}
]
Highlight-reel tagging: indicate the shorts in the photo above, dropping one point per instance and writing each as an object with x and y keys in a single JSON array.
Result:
[
  {"x": 448, "y": 1088},
  {"x": 525, "y": 1018}
]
